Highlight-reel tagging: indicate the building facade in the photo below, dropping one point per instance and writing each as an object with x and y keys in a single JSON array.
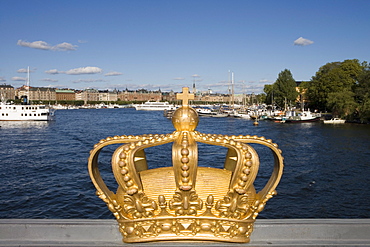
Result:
[
  {"x": 140, "y": 95},
  {"x": 107, "y": 95},
  {"x": 94, "y": 95},
  {"x": 65, "y": 94},
  {"x": 7, "y": 92},
  {"x": 36, "y": 93}
]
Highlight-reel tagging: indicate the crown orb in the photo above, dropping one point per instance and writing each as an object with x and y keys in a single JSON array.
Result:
[{"x": 185, "y": 119}]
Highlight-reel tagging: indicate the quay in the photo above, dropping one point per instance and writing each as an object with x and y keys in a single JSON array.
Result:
[{"x": 267, "y": 232}]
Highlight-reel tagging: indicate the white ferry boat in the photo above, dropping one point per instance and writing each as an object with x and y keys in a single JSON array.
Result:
[
  {"x": 154, "y": 106},
  {"x": 25, "y": 113}
]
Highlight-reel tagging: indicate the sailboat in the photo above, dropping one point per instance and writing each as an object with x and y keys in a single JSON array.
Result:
[{"x": 233, "y": 112}]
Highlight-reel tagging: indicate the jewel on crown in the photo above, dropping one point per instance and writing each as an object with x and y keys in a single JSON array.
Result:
[{"x": 185, "y": 201}]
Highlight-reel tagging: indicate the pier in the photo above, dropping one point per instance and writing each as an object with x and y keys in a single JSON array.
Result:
[{"x": 267, "y": 232}]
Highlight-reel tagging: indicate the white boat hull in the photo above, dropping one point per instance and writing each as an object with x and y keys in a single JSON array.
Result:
[
  {"x": 154, "y": 106},
  {"x": 25, "y": 113},
  {"x": 335, "y": 121}
]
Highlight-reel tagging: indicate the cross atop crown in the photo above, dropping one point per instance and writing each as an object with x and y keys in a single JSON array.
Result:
[{"x": 185, "y": 96}]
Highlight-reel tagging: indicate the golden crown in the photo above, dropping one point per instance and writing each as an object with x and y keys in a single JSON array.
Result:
[{"x": 184, "y": 201}]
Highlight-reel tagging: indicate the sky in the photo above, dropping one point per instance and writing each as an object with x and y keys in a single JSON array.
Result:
[{"x": 170, "y": 44}]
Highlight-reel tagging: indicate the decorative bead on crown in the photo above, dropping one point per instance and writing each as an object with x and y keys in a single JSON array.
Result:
[{"x": 184, "y": 201}]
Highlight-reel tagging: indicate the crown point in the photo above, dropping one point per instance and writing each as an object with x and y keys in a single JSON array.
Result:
[{"x": 185, "y": 96}]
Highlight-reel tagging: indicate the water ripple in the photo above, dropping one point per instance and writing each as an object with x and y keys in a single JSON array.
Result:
[{"x": 44, "y": 164}]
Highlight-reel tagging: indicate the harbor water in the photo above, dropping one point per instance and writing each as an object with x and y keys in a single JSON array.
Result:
[{"x": 44, "y": 164}]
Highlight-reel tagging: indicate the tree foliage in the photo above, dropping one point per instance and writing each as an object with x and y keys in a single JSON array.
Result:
[
  {"x": 284, "y": 89},
  {"x": 362, "y": 94},
  {"x": 268, "y": 89},
  {"x": 332, "y": 78},
  {"x": 342, "y": 103}
]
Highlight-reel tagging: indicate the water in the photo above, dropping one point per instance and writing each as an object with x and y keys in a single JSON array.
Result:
[{"x": 44, "y": 164}]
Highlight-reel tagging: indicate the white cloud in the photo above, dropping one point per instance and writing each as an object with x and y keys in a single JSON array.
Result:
[
  {"x": 16, "y": 78},
  {"x": 76, "y": 71},
  {"x": 64, "y": 47},
  {"x": 53, "y": 72},
  {"x": 36, "y": 44},
  {"x": 113, "y": 73},
  {"x": 303, "y": 42},
  {"x": 179, "y": 78},
  {"x": 264, "y": 81},
  {"x": 84, "y": 70},
  {"x": 22, "y": 71},
  {"x": 50, "y": 80},
  {"x": 195, "y": 75},
  {"x": 89, "y": 80},
  {"x": 2, "y": 78},
  {"x": 42, "y": 45},
  {"x": 25, "y": 70}
]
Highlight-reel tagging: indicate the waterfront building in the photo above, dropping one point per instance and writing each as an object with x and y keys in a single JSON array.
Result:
[
  {"x": 36, "y": 93},
  {"x": 140, "y": 95},
  {"x": 169, "y": 96},
  {"x": 65, "y": 94},
  {"x": 7, "y": 92},
  {"x": 106, "y": 95},
  {"x": 214, "y": 97},
  {"x": 88, "y": 95}
]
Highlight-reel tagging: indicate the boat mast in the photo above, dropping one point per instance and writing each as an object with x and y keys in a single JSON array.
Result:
[
  {"x": 28, "y": 85},
  {"x": 228, "y": 87},
  {"x": 232, "y": 87}
]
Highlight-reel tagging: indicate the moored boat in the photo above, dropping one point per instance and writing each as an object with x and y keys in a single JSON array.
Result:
[
  {"x": 303, "y": 117},
  {"x": 26, "y": 113},
  {"x": 203, "y": 111},
  {"x": 219, "y": 114},
  {"x": 154, "y": 106},
  {"x": 335, "y": 121}
]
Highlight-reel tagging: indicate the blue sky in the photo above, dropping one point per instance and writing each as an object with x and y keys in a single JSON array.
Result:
[{"x": 169, "y": 44}]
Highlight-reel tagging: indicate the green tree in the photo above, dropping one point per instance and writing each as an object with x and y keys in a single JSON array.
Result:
[
  {"x": 332, "y": 78},
  {"x": 284, "y": 89},
  {"x": 268, "y": 89},
  {"x": 362, "y": 94},
  {"x": 342, "y": 103}
]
